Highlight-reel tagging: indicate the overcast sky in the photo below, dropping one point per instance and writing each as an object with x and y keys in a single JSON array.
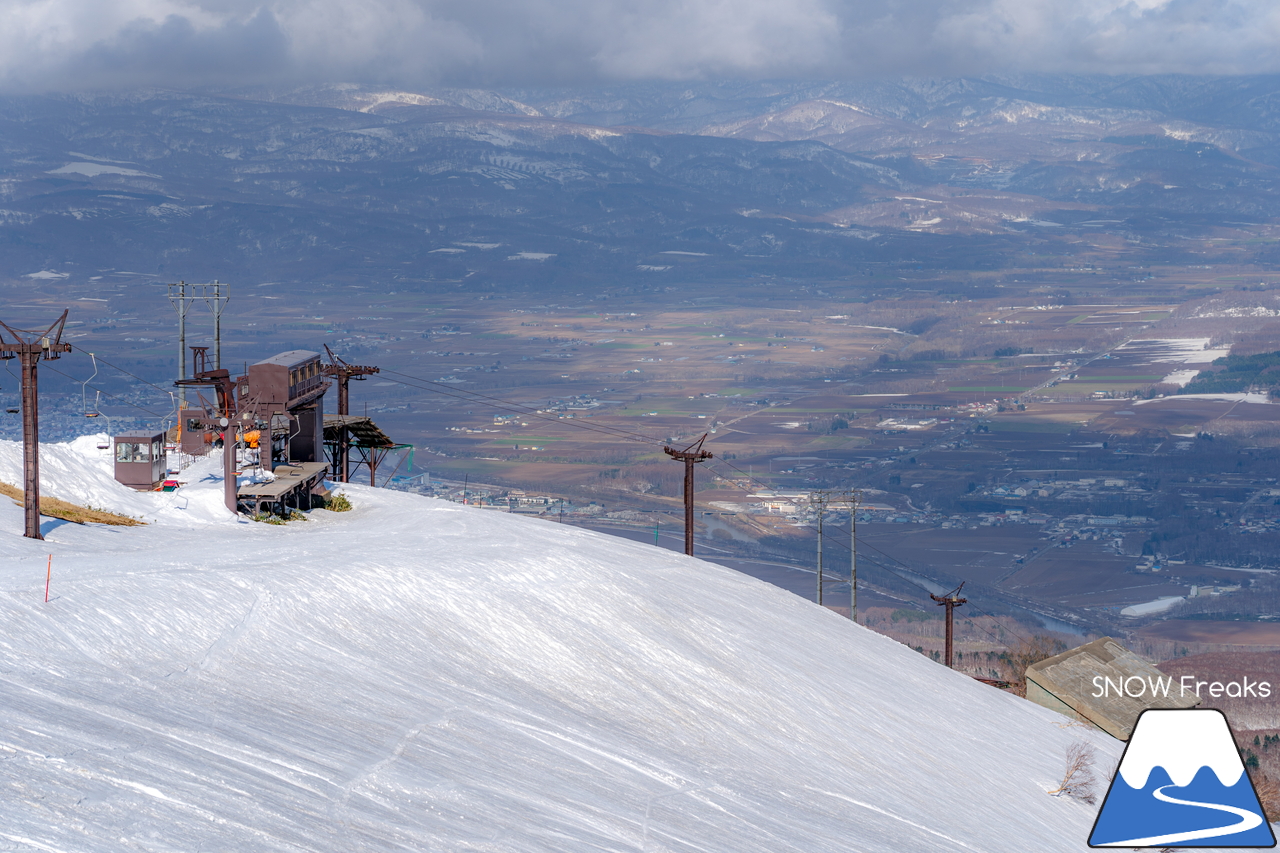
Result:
[{"x": 77, "y": 44}]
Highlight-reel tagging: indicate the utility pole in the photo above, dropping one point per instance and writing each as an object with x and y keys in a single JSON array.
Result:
[
  {"x": 183, "y": 295},
  {"x": 853, "y": 556},
  {"x": 690, "y": 456},
  {"x": 950, "y": 601},
  {"x": 818, "y": 500},
  {"x": 182, "y": 304},
  {"x": 31, "y": 346},
  {"x": 216, "y": 303},
  {"x": 344, "y": 373}
]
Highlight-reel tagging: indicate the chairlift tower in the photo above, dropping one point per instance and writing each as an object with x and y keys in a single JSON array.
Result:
[
  {"x": 344, "y": 373},
  {"x": 30, "y": 347},
  {"x": 690, "y": 456},
  {"x": 951, "y": 601}
]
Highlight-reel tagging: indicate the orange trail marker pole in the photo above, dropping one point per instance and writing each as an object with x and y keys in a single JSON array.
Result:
[{"x": 48, "y": 576}]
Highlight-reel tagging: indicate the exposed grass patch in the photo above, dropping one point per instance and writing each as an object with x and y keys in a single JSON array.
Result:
[{"x": 55, "y": 508}]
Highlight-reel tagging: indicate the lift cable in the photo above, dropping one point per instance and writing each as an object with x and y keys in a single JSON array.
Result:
[{"x": 107, "y": 393}]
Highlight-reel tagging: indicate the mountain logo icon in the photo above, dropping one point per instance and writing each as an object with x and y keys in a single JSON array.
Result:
[{"x": 1181, "y": 784}]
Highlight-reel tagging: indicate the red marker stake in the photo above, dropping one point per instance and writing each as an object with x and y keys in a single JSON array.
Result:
[{"x": 48, "y": 577}]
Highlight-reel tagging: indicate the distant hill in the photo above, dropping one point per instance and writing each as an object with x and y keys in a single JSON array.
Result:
[{"x": 809, "y": 180}]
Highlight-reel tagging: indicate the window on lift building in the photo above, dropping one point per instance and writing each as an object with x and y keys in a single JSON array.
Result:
[{"x": 130, "y": 452}]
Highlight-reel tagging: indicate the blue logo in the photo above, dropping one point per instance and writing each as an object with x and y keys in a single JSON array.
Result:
[{"x": 1180, "y": 784}]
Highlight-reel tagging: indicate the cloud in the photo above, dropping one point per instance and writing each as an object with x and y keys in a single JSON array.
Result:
[{"x": 58, "y": 44}]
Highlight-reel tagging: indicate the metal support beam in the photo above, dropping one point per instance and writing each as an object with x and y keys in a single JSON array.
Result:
[
  {"x": 230, "y": 491},
  {"x": 691, "y": 455},
  {"x": 30, "y": 347}
]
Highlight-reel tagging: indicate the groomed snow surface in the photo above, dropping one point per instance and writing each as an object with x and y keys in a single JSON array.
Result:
[{"x": 418, "y": 675}]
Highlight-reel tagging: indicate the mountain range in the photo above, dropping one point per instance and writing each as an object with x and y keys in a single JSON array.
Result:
[{"x": 817, "y": 180}]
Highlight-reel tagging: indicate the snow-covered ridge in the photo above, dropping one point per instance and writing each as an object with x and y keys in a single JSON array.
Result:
[{"x": 415, "y": 674}]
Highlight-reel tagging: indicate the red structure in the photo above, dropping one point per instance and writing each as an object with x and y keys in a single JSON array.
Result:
[{"x": 31, "y": 347}]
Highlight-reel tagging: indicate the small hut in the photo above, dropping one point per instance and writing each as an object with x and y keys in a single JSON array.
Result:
[{"x": 140, "y": 457}]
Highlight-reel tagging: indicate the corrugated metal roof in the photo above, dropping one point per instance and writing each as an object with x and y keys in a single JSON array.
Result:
[
  {"x": 363, "y": 431},
  {"x": 292, "y": 358}
]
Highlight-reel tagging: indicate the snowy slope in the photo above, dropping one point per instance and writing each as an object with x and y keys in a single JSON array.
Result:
[{"x": 417, "y": 675}]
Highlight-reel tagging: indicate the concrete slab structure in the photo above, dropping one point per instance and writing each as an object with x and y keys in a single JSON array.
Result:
[{"x": 1105, "y": 684}]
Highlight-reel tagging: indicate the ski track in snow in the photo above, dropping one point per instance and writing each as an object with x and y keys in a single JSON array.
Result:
[{"x": 419, "y": 675}]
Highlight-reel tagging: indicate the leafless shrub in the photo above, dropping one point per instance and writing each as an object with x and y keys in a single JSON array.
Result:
[
  {"x": 1025, "y": 653},
  {"x": 1078, "y": 780}
]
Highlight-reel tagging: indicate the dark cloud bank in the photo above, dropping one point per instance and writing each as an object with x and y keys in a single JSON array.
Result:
[{"x": 89, "y": 44}]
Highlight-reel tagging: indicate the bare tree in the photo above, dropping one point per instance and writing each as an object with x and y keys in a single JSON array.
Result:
[
  {"x": 1268, "y": 794},
  {"x": 1025, "y": 653},
  {"x": 1078, "y": 780}
]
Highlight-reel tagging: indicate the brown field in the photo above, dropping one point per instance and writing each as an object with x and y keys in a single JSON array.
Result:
[
  {"x": 983, "y": 555},
  {"x": 1087, "y": 575},
  {"x": 1209, "y": 631}
]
